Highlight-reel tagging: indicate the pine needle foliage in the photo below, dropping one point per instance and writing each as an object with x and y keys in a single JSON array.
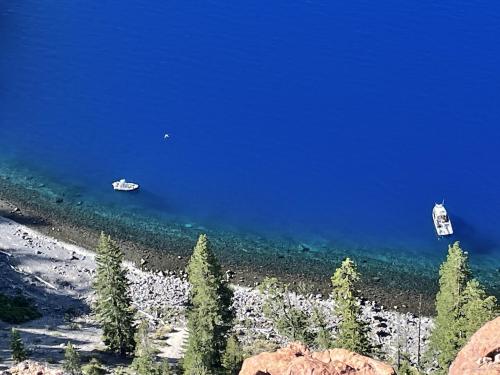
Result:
[
  {"x": 113, "y": 305},
  {"x": 144, "y": 360},
  {"x": 94, "y": 367},
  {"x": 145, "y": 353},
  {"x": 289, "y": 320},
  {"x": 352, "y": 331},
  {"x": 477, "y": 309},
  {"x": 232, "y": 358},
  {"x": 17, "y": 346},
  {"x": 164, "y": 368},
  {"x": 405, "y": 368},
  {"x": 323, "y": 336},
  {"x": 454, "y": 274},
  {"x": 462, "y": 307},
  {"x": 209, "y": 312},
  {"x": 71, "y": 363}
]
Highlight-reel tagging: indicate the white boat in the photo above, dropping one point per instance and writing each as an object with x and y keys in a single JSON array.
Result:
[
  {"x": 441, "y": 220},
  {"x": 123, "y": 185}
]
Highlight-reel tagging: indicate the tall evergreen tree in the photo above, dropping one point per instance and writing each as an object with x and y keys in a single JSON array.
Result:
[
  {"x": 352, "y": 331},
  {"x": 209, "y": 313},
  {"x": 113, "y": 305},
  {"x": 17, "y": 346},
  {"x": 478, "y": 308},
  {"x": 447, "y": 336},
  {"x": 71, "y": 364},
  {"x": 462, "y": 308},
  {"x": 232, "y": 358},
  {"x": 144, "y": 360}
]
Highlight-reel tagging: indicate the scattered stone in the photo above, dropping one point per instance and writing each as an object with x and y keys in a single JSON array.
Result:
[
  {"x": 304, "y": 248},
  {"x": 32, "y": 368}
]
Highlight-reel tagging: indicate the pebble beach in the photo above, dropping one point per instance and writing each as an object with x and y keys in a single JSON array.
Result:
[{"x": 57, "y": 275}]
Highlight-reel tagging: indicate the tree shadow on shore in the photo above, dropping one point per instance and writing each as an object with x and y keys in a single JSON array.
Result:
[{"x": 23, "y": 219}]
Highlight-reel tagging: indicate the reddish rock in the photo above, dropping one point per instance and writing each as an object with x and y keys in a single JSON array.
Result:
[
  {"x": 481, "y": 355},
  {"x": 273, "y": 363},
  {"x": 362, "y": 365},
  {"x": 296, "y": 359}
]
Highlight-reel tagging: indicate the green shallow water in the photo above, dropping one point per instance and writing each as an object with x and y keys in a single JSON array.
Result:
[{"x": 266, "y": 254}]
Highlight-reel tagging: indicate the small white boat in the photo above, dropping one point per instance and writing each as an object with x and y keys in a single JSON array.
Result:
[
  {"x": 441, "y": 220},
  {"x": 123, "y": 185}
]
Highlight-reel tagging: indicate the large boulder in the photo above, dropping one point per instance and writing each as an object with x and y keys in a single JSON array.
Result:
[
  {"x": 481, "y": 355},
  {"x": 296, "y": 359},
  {"x": 31, "y": 368}
]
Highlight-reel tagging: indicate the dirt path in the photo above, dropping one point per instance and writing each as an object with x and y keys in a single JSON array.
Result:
[{"x": 57, "y": 276}]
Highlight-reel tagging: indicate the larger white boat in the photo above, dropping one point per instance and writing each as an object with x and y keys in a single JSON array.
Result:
[
  {"x": 123, "y": 185},
  {"x": 441, "y": 220}
]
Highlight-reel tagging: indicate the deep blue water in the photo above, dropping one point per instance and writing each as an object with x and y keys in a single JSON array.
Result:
[{"x": 344, "y": 121}]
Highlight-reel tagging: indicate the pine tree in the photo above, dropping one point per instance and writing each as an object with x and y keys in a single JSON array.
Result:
[
  {"x": 478, "y": 308},
  {"x": 144, "y": 360},
  {"x": 164, "y": 368},
  {"x": 17, "y": 346},
  {"x": 323, "y": 339},
  {"x": 232, "y": 357},
  {"x": 447, "y": 337},
  {"x": 209, "y": 312},
  {"x": 289, "y": 320},
  {"x": 352, "y": 332},
  {"x": 405, "y": 368},
  {"x": 71, "y": 364},
  {"x": 94, "y": 367},
  {"x": 120, "y": 370},
  {"x": 199, "y": 369},
  {"x": 113, "y": 306}
]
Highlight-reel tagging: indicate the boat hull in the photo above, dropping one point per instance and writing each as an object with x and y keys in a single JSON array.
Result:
[
  {"x": 125, "y": 187},
  {"x": 441, "y": 221}
]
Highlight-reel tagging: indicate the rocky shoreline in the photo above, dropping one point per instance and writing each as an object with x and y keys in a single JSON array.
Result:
[
  {"x": 57, "y": 275},
  {"x": 166, "y": 246}
]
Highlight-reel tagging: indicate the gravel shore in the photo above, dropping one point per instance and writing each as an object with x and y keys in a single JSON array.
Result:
[{"x": 57, "y": 275}]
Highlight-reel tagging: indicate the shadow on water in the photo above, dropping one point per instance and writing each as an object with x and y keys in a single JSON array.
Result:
[
  {"x": 155, "y": 201},
  {"x": 23, "y": 219},
  {"x": 142, "y": 198},
  {"x": 469, "y": 235}
]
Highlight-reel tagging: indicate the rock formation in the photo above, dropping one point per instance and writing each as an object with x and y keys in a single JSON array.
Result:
[
  {"x": 296, "y": 359},
  {"x": 31, "y": 368},
  {"x": 481, "y": 355}
]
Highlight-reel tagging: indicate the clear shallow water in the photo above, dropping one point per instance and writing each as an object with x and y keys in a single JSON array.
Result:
[{"x": 339, "y": 122}]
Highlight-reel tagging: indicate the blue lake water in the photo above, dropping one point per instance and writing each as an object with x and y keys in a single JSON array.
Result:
[{"x": 343, "y": 121}]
